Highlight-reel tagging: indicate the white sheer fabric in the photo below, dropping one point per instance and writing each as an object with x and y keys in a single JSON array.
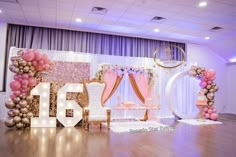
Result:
[{"x": 184, "y": 94}]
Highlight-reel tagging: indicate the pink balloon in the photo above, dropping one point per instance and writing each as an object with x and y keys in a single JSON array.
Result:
[
  {"x": 214, "y": 110},
  {"x": 39, "y": 68},
  {"x": 214, "y": 116},
  {"x": 12, "y": 96},
  {"x": 205, "y": 109},
  {"x": 25, "y": 76},
  {"x": 41, "y": 62},
  {"x": 203, "y": 84},
  {"x": 45, "y": 66},
  {"x": 209, "y": 111},
  {"x": 32, "y": 81},
  {"x": 34, "y": 63},
  {"x": 38, "y": 55},
  {"x": 24, "y": 87},
  {"x": 16, "y": 93},
  {"x": 207, "y": 116},
  {"x": 25, "y": 82},
  {"x": 28, "y": 56},
  {"x": 15, "y": 85}
]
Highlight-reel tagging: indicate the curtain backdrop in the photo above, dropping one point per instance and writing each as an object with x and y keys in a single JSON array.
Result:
[{"x": 67, "y": 40}]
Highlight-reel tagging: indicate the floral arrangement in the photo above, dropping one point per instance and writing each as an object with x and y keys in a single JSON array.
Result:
[
  {"x": 209, "y": 88},
  {"x": 121, "y": 70},
  {"x": 27, "y": 66}
]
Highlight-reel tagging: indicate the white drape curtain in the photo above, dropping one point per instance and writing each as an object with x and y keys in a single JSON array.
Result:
[{"x": 184, "y": 93}]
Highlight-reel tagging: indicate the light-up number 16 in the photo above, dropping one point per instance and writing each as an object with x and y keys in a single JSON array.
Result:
[{"x": 43, "y": 90}]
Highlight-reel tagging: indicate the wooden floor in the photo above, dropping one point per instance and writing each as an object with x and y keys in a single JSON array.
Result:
[{"x": 185, "y": 140}]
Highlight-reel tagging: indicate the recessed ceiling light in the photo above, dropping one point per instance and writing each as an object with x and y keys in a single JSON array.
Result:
[
  {"x": 232, "y": 60},
  {"x": 0, "y": 11},
  {"x": 156, "y": 30},
  {"x": 202, "y": 4},
  {"x": 78, "y": 20},
  {"x": 207, "y": 38}
]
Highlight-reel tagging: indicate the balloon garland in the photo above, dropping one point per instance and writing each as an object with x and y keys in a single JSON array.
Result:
[
  {"x": 26, "y": 65},
  {"x": 209, "y": 88}
]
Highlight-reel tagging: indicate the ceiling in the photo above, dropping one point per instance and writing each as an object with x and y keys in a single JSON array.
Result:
[{"x": 185, "y": 21}]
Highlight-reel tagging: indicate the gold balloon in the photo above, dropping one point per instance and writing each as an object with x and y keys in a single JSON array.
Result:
[
  {"x": 10, "y": 104},
  {"x": 16, "y": 112},
  {"x": 24, "y": 110},
  {"x": 26, "y": 69},
  {"x": 16, "y": 119},
  {"x": 16, "y": 100},
  {"x": 23, "y": 103},
  {"x": 22, "y": 62},
  {"x": 25, "y": 120},
  {"x": 19, "y": 125},
  {"x": 29, "y": 98},
  {"x": 29, "y": 63},
  {"x": 9, "y": 122},
  {"x": 29, "y": 114},
  {"x": 20, "y": 52},
  {"x": 15, "y": 63},
  {"x": 18, "y": 106},
  {"x": 32, "y": 68},
  {"x": 10, "y": 113}
]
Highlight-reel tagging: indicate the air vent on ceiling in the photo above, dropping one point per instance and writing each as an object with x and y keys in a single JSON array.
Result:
[
  {"x": 9, "y": 1},
  {"x": 158, "y": 19},
  {"x": 217, "y": 28},
  {"x": 99, "y": 10}
]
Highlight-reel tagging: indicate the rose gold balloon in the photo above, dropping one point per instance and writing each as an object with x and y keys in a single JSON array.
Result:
[
  {"x": 9, "y": 104},
  {"x": 24, "y": 115},
  {"x": 16, "y": 119},
  {"x": 9, "y": 122}
]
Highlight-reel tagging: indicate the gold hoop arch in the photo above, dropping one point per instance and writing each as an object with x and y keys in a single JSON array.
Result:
[{"x": 169, "y": 67}]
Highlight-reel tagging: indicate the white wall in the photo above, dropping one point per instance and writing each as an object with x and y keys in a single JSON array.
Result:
[
  {"x": 205, "y": 57},
  {"x": 231, "y": 88},
  {"x": 3, "y": 31}
]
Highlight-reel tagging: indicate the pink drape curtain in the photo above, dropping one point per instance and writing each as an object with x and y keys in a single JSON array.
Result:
[
  {"x": 140, "y": 85},
  {"x": 112, "y": 82},
  {"x": 143, "y": 85}
]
